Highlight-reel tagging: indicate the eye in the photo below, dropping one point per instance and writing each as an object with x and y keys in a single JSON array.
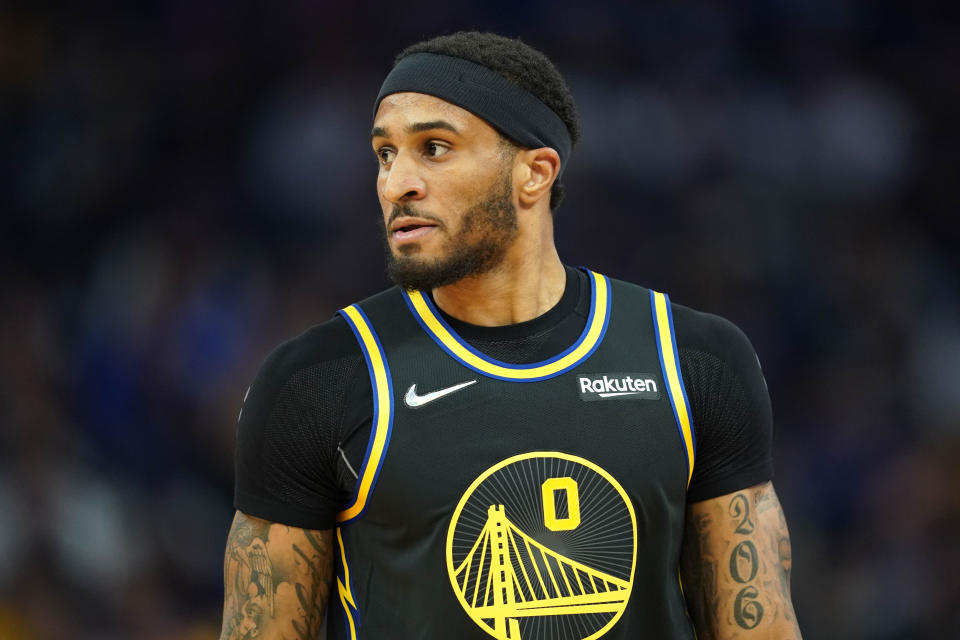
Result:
[
  {"x": 436, "y": 149},
  {"x": 385, "y": 155}
]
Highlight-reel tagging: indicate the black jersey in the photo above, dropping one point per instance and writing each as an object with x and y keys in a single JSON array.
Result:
[{"x": 543, "y": 499}]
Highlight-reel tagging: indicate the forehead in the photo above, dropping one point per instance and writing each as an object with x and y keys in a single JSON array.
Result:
[{"x": 400, "y": 110}]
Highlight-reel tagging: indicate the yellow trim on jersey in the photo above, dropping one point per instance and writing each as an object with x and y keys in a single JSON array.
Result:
[
  {"x": 344, "y": 590},
  {"x": 460, "y": 351},
  {"x": 671, "y": 369},
  {"x": 382, "y": 398}
]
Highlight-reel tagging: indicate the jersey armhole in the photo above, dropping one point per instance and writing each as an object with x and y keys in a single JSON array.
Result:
[
  {"x": 382, "y": 386},
  {"x": 670, "y": 366}
]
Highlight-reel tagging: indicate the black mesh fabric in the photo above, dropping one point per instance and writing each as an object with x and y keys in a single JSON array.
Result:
[
  {"x": 729, "y": 405},
  {"x": 716, "y": 396},
  {"x": 725, "y": 424},
  {"x": 519, "y": 351},
  {"x": 288, "y": 467},
  {"x": 303, "y": 431}
]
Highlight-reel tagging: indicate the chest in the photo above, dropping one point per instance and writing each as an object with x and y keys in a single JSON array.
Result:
[{"x": 552, "y": 450}]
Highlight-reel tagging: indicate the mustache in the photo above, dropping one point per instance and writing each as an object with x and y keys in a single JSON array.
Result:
[{"x": 399, "y": 211}]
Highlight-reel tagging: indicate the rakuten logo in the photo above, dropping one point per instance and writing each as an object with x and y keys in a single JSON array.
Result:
[{"x": 612, "y": 386}]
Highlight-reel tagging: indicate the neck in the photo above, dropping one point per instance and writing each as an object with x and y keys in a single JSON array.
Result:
[{"x": 524, "y": 286}]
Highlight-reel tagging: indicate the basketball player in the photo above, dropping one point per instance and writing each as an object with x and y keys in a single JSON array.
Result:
[{"x": 502, "y": 445}]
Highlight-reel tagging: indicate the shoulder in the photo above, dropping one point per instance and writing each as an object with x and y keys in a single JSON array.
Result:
[
  {"x": 300, "y": 368},
  {"x": 715, "y": 355},
  {"x": 389, "y": 301},
  {"x": 302, "y": 381},
  {"x": 696, "y": 329},
  {"x": 624, "y": 286},
  {"x": 710, "y": 333},
  {"x": 320, "y": 344},
  {"x": 324, "y": 359}
]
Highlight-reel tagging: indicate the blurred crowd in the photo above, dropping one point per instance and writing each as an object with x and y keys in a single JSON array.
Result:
[{"x": 184, "y": 185}]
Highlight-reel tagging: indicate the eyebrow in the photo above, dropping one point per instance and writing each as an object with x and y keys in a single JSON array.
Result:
[{"x": 417, "y": 127}]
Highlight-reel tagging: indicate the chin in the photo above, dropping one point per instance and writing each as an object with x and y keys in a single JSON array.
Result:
[{"x": 407, "y": 250}]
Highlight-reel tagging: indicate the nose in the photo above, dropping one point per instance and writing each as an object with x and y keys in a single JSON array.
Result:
[{"x": 403, "y": 181}]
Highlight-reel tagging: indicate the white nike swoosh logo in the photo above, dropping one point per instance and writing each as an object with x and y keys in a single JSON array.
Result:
[{"x": 413, "y": 400}]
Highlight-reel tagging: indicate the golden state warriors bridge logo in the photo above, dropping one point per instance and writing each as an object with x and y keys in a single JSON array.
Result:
[{"x": 543, "y": 545}]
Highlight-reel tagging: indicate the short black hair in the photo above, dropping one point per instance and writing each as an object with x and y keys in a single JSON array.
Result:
[{"x": 519, "y": 63}]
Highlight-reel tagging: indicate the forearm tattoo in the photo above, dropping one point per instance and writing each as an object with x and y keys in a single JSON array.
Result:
[
  {"x": 276, "y": 581},
  {"x": 736, "y": 564}
]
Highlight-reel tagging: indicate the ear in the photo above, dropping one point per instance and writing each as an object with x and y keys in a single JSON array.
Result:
[{"x": 540, "y": 169}]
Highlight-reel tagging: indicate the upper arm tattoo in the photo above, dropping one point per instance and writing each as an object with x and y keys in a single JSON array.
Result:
[
  {"x": 276, "y": 580},
  {"x": 736, "y": 563}
]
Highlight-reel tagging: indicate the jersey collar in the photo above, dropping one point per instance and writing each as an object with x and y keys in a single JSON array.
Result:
[{"x": 423, "y": 309}]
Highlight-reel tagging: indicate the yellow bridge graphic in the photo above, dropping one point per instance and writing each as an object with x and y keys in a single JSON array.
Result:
[{"x": 508, "y": 575}]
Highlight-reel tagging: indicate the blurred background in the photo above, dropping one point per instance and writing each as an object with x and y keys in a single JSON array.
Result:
[{"x": 186, "y": 184}]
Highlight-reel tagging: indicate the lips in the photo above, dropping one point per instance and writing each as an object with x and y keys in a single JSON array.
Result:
[{"x": 407, "y": 229}]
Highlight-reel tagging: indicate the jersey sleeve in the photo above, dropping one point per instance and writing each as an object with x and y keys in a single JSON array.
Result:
[
  {"x": 287, "y": 466},
  {"x": 729, "y": 403}
]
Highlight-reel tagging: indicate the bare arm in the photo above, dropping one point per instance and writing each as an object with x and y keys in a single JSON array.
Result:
[
  {"x": 735, "y": 567},
  {"x": 276, "y": 580}
]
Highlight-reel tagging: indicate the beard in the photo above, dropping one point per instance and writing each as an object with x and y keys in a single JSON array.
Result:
[{"x": 487, "y": 229}]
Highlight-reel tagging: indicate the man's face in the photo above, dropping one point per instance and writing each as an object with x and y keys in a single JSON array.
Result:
[{"x": 446, "y": 191}]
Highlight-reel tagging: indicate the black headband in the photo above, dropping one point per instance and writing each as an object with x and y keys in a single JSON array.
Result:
[{"x": 507, "y": 107}]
